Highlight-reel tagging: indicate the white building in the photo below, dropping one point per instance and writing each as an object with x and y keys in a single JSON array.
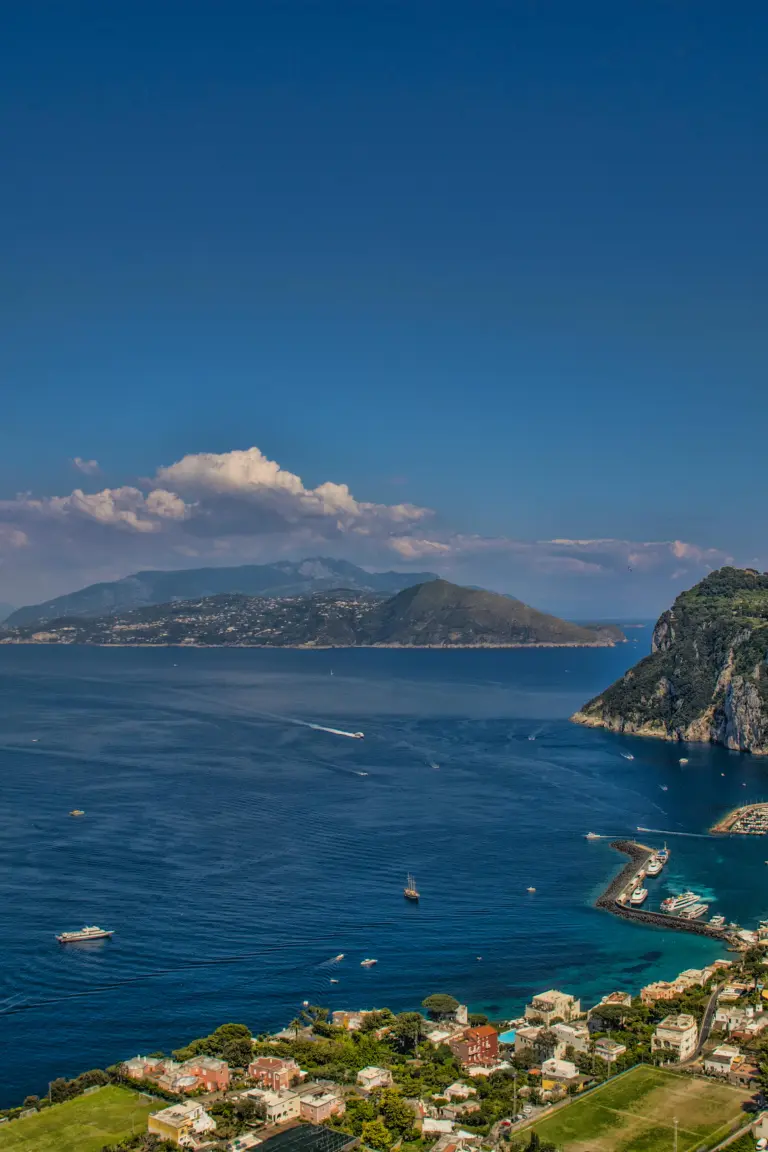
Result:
[
  {"x": 698, "y": 976},
  {"x": 458, "y": 1091},
  {"x": 720, "y": 1062},
  {"x": 370, "y": 1078},
  {"x": 278, "y": 1106},
  {"x": 525, "y": 1038},
  {"x": 436, "y": 1127},
  {"x": 609, "y": 1050},
  {"x": 574, "y": 1035},
  {"x": 676, "y": 1037},
  {"x": 546, "y": 1006},
  {"x": 558, "y": 1070}
]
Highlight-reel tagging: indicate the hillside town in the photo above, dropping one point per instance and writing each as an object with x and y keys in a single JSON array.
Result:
[{"x": 445, "y": 1079}]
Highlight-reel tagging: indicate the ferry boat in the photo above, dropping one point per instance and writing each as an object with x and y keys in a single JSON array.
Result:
[
  {"x": 664, "y": 854},
  {"x": 654, "y": 866},
  {"x": 368, "y": 963},
  {"x": 92, "y": 933},
  {"x": 694, "y": 911},
  {"x": 410, "y": 891},
  {"x": 639, "y": 896},
  {"x": 677, "y": 904}
]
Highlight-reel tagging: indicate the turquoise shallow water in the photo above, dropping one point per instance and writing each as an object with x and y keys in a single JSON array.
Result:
[{"x": 235, "y": 851}]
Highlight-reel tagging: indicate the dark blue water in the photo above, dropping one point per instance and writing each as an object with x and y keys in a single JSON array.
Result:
[{"x": 234, "y": 852}]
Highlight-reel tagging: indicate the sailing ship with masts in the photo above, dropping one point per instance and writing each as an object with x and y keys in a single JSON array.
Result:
[{"x": 410, "y": 891}]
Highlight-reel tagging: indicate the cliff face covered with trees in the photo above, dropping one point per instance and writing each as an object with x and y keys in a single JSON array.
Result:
[{"x": 707, "y": 677}]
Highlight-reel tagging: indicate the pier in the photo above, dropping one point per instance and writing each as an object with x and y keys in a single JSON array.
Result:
[{"x": 639, "y": 855}]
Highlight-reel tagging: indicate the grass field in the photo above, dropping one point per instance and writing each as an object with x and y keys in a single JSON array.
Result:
[
  {"x": 84, "y": 1124},
  {"x": 635, "y": 1113}
]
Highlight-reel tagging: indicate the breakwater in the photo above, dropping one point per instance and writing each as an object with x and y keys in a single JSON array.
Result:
[{"x": 639, "y": 855}]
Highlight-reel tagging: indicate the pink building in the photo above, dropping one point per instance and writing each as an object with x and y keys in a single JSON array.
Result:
[
  {"x": 212, "y": 1074},
  {"x": 275, "y": 1073},
  {"x": 320, "y": 1106}
]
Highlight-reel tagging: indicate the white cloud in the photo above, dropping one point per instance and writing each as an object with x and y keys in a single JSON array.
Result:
[
  {"x": 241, "y": 507},
  {"x": 246, "y": 477},
  {"x": 88, "y": 467},
  {"x": 412, "y": 548}
]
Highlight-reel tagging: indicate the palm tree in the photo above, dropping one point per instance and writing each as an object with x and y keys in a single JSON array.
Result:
[{"x": 297, "y": 1026}]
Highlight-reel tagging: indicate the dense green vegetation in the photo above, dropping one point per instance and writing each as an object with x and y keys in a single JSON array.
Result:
[
  {"x": 230, "y": 1042},
  {"x": 720, "y": 626}
]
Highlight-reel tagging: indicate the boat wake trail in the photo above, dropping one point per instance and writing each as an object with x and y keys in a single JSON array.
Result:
[
  {"x": 665, "y": 832},
  {"x": 333, "y": 731}
]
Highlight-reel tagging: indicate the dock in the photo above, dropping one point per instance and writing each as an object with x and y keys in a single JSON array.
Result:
[{"x": 639, "y": 855}]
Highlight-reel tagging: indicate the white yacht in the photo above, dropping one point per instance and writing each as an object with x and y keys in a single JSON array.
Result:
[
  {"x": 676, "y": 904},
  {"x": 654, "y": 866},
  {"x": 92, "y": 933},
  {"x": 693, "y": 911},
  {"x": 639, "y": 896}
]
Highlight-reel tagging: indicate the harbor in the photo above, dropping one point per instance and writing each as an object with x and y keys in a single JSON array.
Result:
[
  {"x": 617, "y": 898},
  {"x": 749, "y": 820}
]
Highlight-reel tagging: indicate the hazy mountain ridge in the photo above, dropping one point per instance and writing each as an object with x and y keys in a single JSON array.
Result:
[
  {"x": 284, "y": 578},
  {"x": 433, "y": 614},
  {"x": 706, "y": 678}
]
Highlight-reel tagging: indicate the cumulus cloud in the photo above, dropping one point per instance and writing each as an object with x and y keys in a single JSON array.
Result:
[
  {"x": 247, "y": 478},
  {"x": 240, "y": 506},
  {"x": 87, "y": 467}
]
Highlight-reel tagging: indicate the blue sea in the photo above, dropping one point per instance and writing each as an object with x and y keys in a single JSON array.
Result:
[{"x": 235, "y": 851}]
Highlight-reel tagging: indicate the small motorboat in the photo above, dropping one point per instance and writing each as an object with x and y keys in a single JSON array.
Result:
[
  {"x": 530, "y": 889},
  {"x": 334, "y": 981},
  {"x": 77, "y": 812},
  {"x": 339, "y": 957},
  {"x": 683, "y": 760},
  {"x": 368, "y": 963}
]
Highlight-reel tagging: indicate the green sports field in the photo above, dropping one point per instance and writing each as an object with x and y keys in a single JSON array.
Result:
[
  {"x": 84, "y": 1124},
  {"x": 636, "y": 1112}
]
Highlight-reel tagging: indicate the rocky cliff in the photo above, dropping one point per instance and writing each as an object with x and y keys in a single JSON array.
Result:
[{"x": 707, "y": 677}]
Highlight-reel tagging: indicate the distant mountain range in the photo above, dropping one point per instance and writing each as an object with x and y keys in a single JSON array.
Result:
[
  {"x": 431, "y": 614},
  {"x": 285, "y": 578}
]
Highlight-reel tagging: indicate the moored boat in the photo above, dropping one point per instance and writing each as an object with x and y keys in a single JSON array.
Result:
[
  {"x": 639, "y": 896},
  {"x": 677, "y": 904},
  {"x": 654, "y": 866},
  {"x": 693, "y": 911}
]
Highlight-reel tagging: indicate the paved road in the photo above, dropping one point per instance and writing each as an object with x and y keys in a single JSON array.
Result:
[{"x": 706, "y": 1027}]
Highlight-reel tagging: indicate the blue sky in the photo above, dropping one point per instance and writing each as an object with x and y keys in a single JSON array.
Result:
[{"x": 504, "y": 265}]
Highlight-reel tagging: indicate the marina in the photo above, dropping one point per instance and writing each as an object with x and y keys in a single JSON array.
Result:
[
  {"x": 682, "y": 913},
  {"x": 749, "y": 820}
]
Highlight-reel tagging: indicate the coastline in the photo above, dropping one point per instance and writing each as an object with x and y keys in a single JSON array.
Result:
[
  {"x": 624, "y": 728},
  {"x": 310, "y": 647},
  {"x": 638, "y": 856}
]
